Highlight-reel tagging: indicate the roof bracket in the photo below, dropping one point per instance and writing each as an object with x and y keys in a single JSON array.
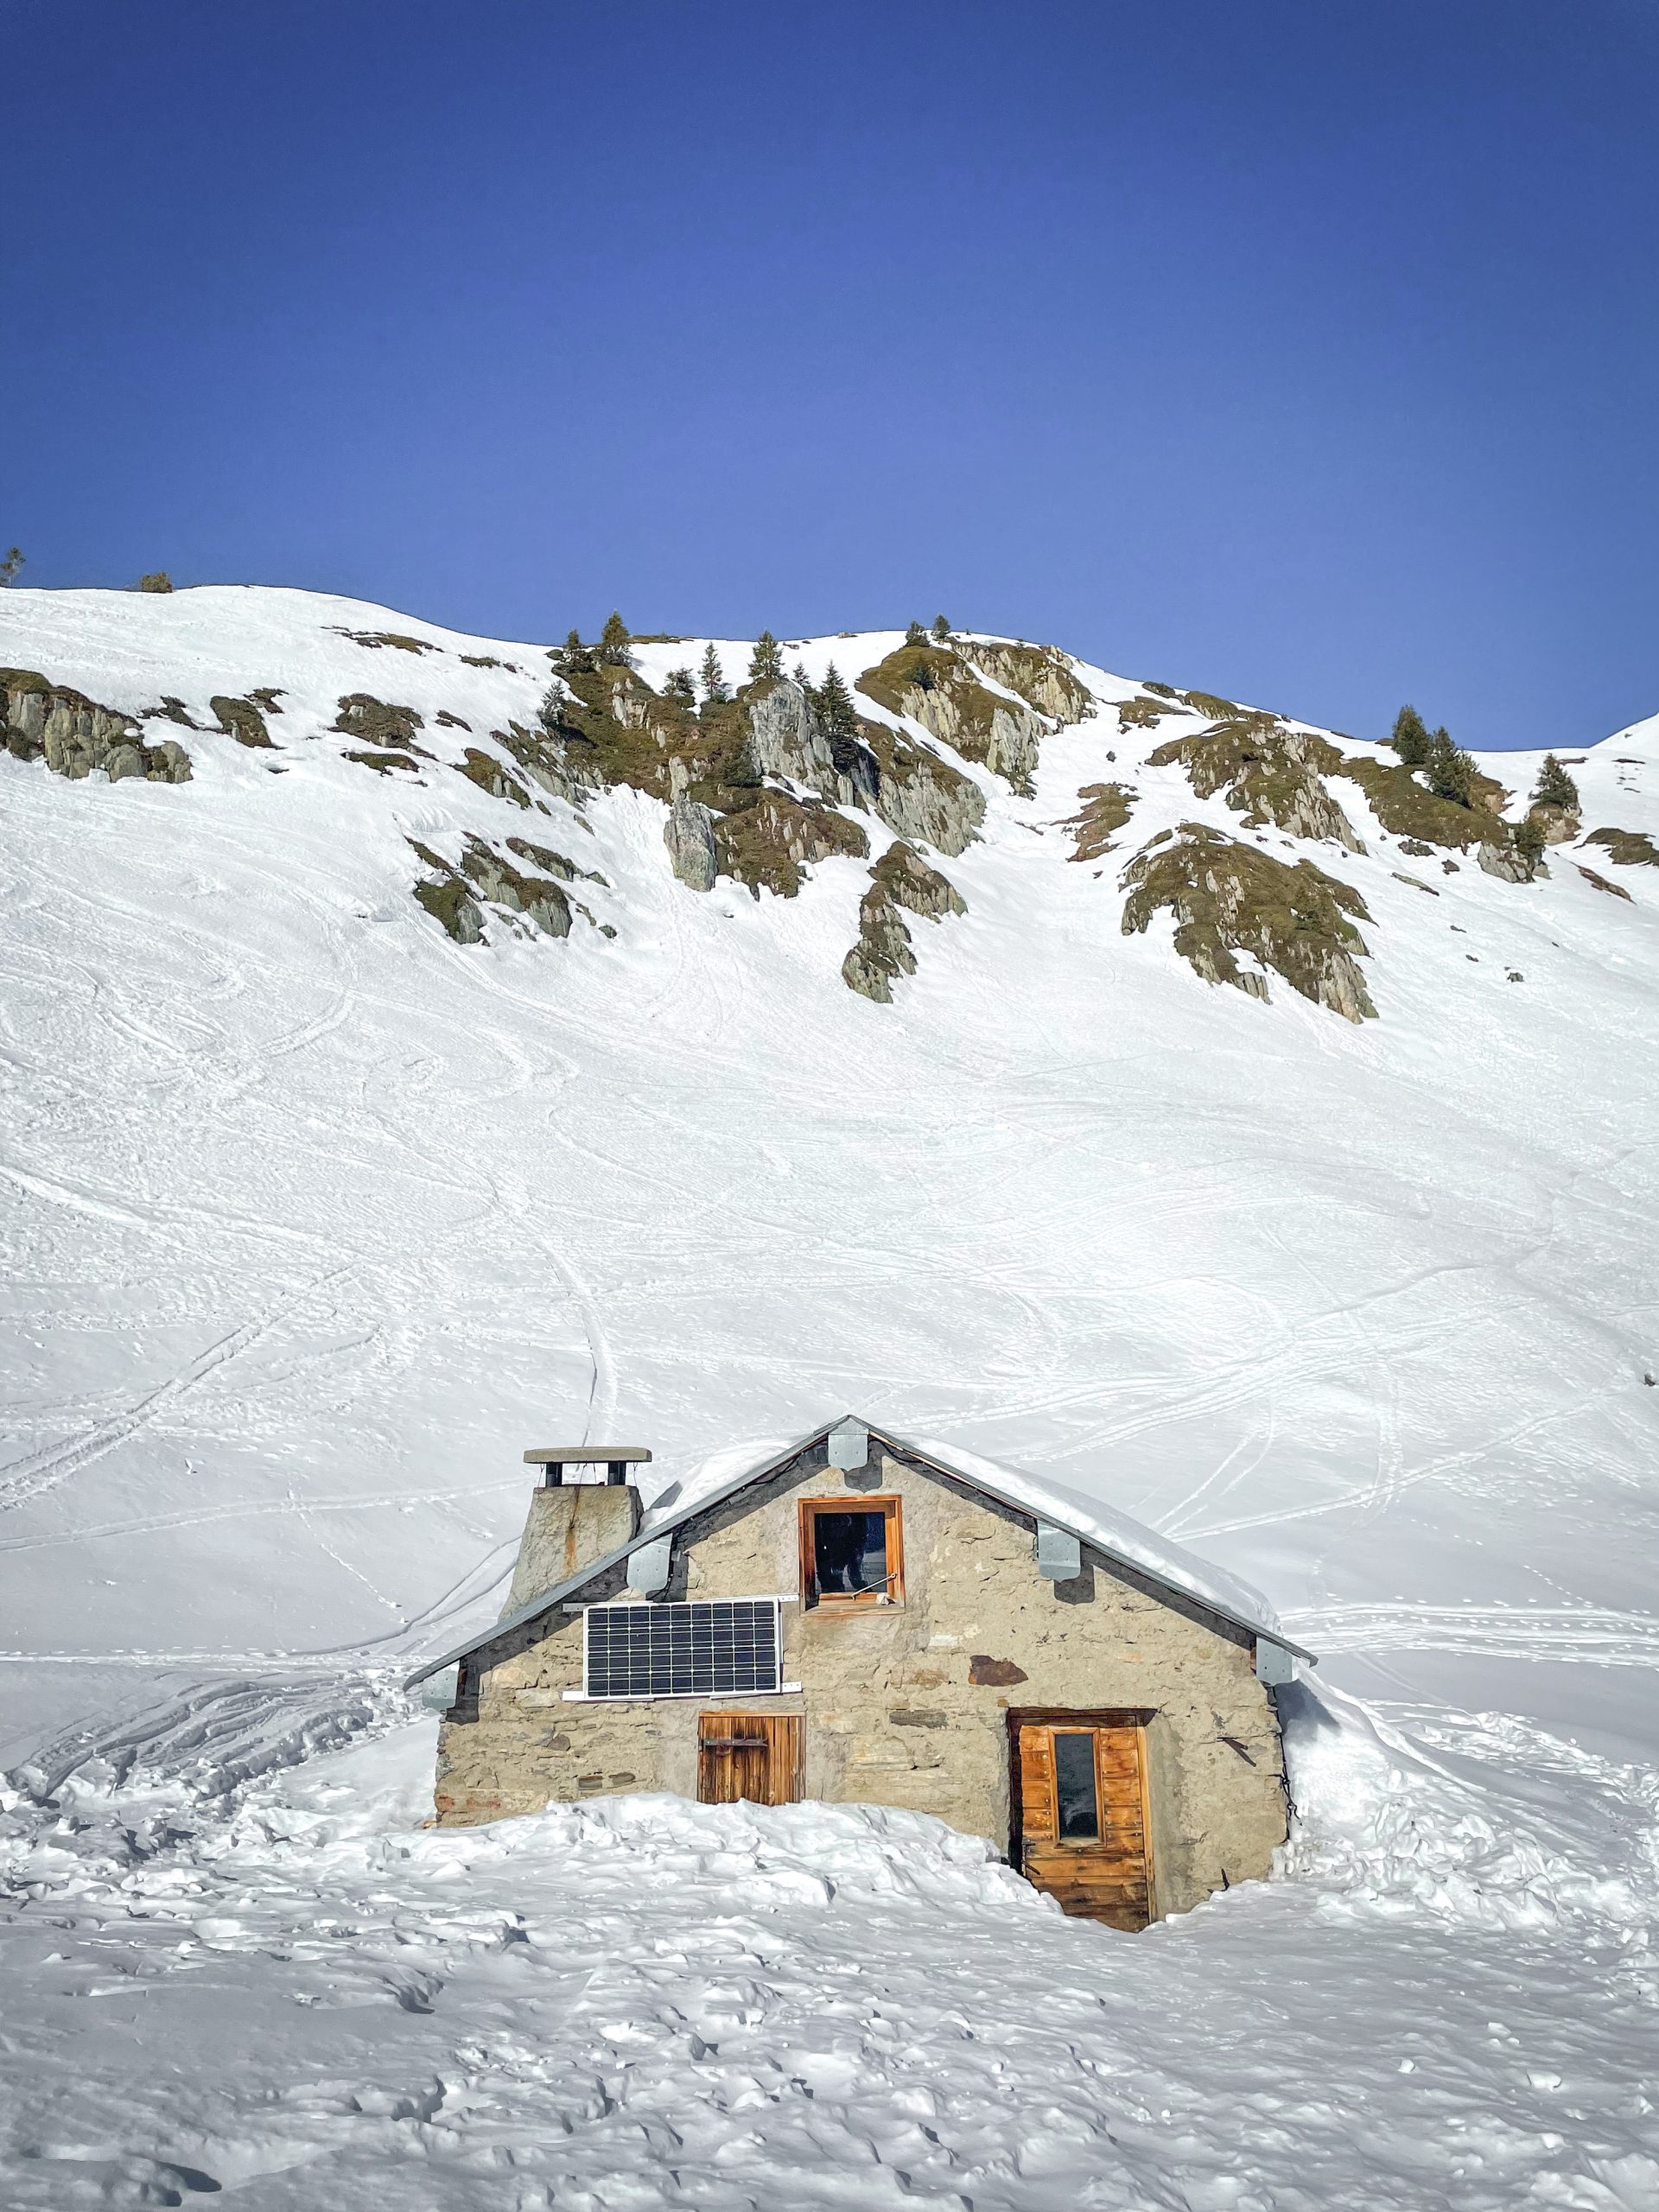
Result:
[{"x": 1060, "y": 1555}]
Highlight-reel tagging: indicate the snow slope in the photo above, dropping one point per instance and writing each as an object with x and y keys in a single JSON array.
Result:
[{"x": 314, "y": 1219}]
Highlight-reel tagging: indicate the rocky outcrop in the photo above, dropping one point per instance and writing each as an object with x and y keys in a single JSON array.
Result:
[
  {"x": 1510, "y": 864},
  {"x": 1229, "y": 898},
  {"x": 370, "y": 721},
  {"x": 1556, "y": 825},
  {"x": 1105, "y": 810},
  {"x": 242, "y": 719},
  {"x": 1041, "y": 674},
  {"x": 447, "y": 893},
  {"x": 689, "y": 833},
  {"x": 1270, "y": 774},
  {"x": 787, "y": 738},
  {"x": 489, "y": 774},
  {"x": 1600, "y": 883},
  {"x": 74, "y": 735},
  {"x": 878, "y": 771},
  {"x": 934, "y": 686},
  {"x": 769, "y": 839},
  {"x": 902, "y": 880},
  {"x": 1407, "y": 808},
  {"x": 1626, "y": 848}
]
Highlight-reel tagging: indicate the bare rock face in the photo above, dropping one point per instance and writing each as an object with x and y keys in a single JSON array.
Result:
[
  {"x": 74, "y": 735},
  {"x": 689, "y": 833},
  {"x": 1227, "y": 898},
  {"x": 447, "y": 894},
  {"x": 787, "y": 738},
  {"x": 900, "y": 879},
  {"x": 1270, "y": 775},
  {"x": 1510, "y": 864},
  {"x": 1041, "y": 676},
  {"x": 879, "y": 772},
  {"x": 937, "y": 688},
  {"x": 1559, "y": 824}
]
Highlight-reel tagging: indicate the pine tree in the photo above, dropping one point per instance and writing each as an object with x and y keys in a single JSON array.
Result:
[
  {"x": 835, "y": 706},
  {"x": 10, "y": 565},
  {"x": 1448, "y": 771},
  {"x": 1410, "y": 738},
  {"x": 801, "y": 677},
  {"x": 682, "y": 685},
  {"x": 714, "y": 678},
  {"x": 1530, "y": 840},
  {"x": 614, "y": 650},
  {"x": 941, "y": 628},
  {"x": 765, "y": 662},
  {"x": 1556, "y": 787},
  {"x": 915, "y": 635}
]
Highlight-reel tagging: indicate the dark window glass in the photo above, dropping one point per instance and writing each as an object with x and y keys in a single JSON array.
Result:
[
  {"x": 849, "y": 1553},
  {"x": 1074, "y": 1786}
]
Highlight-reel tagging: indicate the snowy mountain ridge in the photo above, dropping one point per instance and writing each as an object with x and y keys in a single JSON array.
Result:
[
  {"x": 937, "y": 746},
  {"x": 315, "y": 1217}
]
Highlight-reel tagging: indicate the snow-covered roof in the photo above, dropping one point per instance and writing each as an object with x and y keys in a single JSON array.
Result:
[{"x": 1117, "y": 1538}]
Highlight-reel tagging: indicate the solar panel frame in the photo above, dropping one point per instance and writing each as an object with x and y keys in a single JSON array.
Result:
[{"x": 722, "y": 1647}]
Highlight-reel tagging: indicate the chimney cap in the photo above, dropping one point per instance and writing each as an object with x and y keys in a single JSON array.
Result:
[{"x": 585, "y": 1455}]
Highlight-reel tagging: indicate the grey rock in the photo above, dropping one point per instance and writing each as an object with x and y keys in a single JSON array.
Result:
[{"x": 689, "y": 833}]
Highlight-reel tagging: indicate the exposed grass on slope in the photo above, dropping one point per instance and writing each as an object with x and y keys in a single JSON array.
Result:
[
  {"x": 1227, "y": 898},
  {"x": 1106, "y": 808},
  {"x": 1270, "y": 775}
]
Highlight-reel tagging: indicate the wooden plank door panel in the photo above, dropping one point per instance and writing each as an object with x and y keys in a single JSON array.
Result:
[
  {"x": 752, "y": 1756},
  {"x": 1105, "y": 1876}
]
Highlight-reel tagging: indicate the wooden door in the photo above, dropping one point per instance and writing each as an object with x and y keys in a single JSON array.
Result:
[
  {"x": 1082, "y": 1794},
  {"x": 753, "y": 1755}
]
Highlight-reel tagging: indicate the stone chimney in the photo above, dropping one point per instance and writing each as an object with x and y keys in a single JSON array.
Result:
[{"x": 572, "y": 1523}]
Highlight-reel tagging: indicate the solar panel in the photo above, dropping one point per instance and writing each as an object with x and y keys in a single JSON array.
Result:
[{"x": 710, "y": 1649}]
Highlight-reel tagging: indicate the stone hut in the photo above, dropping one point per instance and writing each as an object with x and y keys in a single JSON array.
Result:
[{"x": 858, "y": 1618}]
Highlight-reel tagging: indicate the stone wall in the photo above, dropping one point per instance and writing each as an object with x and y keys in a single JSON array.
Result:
[{"x": 906, "y": 1704}]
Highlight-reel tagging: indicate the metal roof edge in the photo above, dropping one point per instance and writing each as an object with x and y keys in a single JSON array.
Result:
[
  {"x": 645, "y": 1534},
  {"x": 651, "y": 1530},
  {"x": 1062, "y": 1520}
]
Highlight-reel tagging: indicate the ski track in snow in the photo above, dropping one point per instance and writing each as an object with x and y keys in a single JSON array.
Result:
[{"x": 312, "y": 1222}]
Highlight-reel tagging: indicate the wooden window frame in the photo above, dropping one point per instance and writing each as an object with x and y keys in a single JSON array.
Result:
[{"x": 890, "y": 1505}]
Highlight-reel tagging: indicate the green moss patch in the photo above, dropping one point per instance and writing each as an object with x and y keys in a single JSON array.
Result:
[
  {"x": 1106, "y": 808},
  {"x": 1626, "y": 848},
  {"x": 1228, "y": 897}
]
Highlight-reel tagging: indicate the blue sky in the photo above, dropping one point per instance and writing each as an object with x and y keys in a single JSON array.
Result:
[{"x": 1301, "y": 352}]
